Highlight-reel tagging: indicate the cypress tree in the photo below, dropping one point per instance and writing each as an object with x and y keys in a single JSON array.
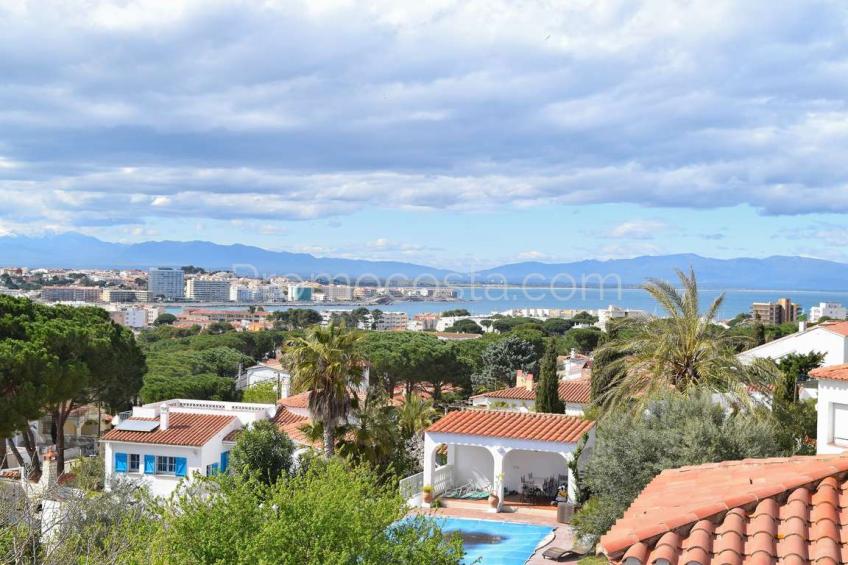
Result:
[{"x": 547, "y": 388}]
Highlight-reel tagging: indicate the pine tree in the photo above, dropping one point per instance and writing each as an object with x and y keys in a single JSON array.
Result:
[{"x": 547, "y": 389}]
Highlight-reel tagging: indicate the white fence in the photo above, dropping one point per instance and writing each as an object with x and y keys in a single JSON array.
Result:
[
  {"x": 410, "y": 486},
  {"x": 442, "y": 479}
]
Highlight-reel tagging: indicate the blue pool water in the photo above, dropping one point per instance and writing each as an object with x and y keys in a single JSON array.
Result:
[{"x": 487, "y": 542}]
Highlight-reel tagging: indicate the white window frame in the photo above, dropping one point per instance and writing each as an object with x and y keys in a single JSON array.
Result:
[{"x": 837, "y": 440}]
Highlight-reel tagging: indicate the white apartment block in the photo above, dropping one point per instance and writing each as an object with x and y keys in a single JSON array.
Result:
[
  {"x": 124, "y": 295},
  {"x": 832, "y": 310},
  {"x": 616, "y": 313},
  {"x": 208, "y": 290},
  {"x": 166, "y": 283},
  {"x": 337, "y": 293},
  {"x": 391, "y": 321}
]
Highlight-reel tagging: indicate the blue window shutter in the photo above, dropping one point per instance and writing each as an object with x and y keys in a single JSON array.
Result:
[
  {"x": 225, "y": 461},
  {"x": 120, "y": 462},
  {"x": 182, "y": 466},
  {"x": 149, "y": 464},
  {"x": 214, "y": 468}
]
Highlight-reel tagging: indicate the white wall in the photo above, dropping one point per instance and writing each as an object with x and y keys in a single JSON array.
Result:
[
  {"x": 163, "y": 485},
  {"x": 473, "y": 464},
  {"x": 834, "y": 346},
  {"x": 830, "y": 392},
  {"x": 541, "y": 464}
]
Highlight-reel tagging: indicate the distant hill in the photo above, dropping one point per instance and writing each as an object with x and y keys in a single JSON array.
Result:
[{"x": 79, "y": 251}]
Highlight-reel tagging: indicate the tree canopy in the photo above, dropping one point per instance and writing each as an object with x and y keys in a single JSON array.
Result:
[{"x": 264, "y": 451}]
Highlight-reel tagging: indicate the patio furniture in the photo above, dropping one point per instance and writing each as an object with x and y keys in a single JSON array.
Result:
[{"x": 560, "y": 554}]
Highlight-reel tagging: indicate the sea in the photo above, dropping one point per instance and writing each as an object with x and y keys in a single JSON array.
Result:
[{"x": 488, "y": 300}]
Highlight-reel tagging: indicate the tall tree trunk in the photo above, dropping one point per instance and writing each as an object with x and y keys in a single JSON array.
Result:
[
  {"x": 3, "y": 452},
  {"x": 32, "y": 449},
  {"x": 329, "y": 443},
  {"x": 14, "y": 449},
  {"x": 60, "y": 416}
]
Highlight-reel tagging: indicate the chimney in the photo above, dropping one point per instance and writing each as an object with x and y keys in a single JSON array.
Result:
[
  {"x": 802, "y": 326},
  {"x": 524, "y": 380},
  {"x": 573, "y": 353},
  {"x": 163, "y": 417},
  {"x": 49, "y": 477}
]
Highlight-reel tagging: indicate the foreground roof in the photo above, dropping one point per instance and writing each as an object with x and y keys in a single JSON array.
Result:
[
  {"x": 835, "y": 372},
  {"x": 193, "y": 430},
  {"x": 840, "y": 328},
  {"x": 514, "y": 425},
  {"x": 578, "y": 390},
  {"x": 786, "y": 510}
]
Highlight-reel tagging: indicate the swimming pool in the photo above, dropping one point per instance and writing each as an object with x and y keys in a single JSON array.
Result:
[{"x": 495, "y": 543}]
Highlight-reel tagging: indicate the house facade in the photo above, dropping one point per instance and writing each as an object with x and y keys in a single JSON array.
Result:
[
  {"x": 575, "y": 395},
  {"x": 164, "y": 443},
  {"x": 830, "y": 338}
]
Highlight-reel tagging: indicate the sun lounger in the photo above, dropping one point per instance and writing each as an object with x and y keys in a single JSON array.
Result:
[{"x": 559, "y": 554}]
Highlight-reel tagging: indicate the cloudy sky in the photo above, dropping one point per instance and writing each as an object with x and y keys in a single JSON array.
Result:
[{"x": 457, "y": 134}]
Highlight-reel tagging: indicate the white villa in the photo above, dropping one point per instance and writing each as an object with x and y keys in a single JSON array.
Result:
[
  {"x": 270, "y": 370},
  {"x": 575, "y": 394},
  {"x": 832, "y": 409},
  {"x": 503, "y": 452},
  {"x": 164, "y": 442},
  {"x": 830, "y": 338}
]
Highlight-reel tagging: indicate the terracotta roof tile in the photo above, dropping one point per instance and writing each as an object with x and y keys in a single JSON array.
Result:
[
  {"x": 840, "y": 328},
  {"x": 577, "y": 391},
  {"x": 518, "y": 425},
  {"x": 192, "y": 430},
  {"x": 835, "y": 372},
  {"x": 785, "y": 510},
  {"x": 300, "y": 400}
]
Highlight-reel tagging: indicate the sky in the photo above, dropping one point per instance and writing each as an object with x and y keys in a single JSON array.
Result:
[{"x": 456, "y": 134}]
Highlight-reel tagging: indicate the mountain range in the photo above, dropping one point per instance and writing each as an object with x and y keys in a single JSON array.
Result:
[{"x": 74, "y": 250}]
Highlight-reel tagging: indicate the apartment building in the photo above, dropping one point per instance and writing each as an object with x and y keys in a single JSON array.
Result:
[
  {"x": 338, "y": 293},
  {"x": 207, "y": 290},
  {"x": 91, "y": 294},
  {"x": 773, "y": 313},
  {"x": 124, "y": 295},
  {"x": 166, "y": 283},
  {"x": 832, "y": 310}
]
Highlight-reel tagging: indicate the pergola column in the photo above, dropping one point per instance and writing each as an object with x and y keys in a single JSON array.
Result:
[
  {"x": 429, "y": 462},
  {"x": 498, "y": 477},
  {"x": 572, "y": 480}
]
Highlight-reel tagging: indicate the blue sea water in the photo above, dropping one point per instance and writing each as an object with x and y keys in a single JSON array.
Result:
[
  {"x": 484, "y": 301},
  {"x": 488, "y": 542}
]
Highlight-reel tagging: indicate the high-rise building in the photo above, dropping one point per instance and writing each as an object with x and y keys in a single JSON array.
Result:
[
  {"x": 208, "y": 290},
  {"x": 772, "y": 313},
  {"x": 167, "y": 283},
  {"x": 299, "y": 293}
]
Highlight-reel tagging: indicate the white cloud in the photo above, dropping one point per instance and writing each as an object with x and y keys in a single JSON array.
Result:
[
  {"x": 638, "y": 229},
  {"x": 305, "y": 110}
]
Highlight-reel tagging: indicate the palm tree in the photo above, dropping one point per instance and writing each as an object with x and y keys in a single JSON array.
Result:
[
  {"x": 683, "y": 350},
  {"x": 326, "y": 363},
  {"x": 415, "y": 415},
  {"x": 372, "y": 435}
]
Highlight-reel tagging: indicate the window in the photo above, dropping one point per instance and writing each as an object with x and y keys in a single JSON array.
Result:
[
  {"x": 212, "y": 470},
  {"x": 166, "y": 465},
  {"x": 840, "y": 423},
  {"x": 135, "y": 462}
]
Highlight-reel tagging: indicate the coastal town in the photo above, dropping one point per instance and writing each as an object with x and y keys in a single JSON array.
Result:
[{"x": 464, "y": 282}]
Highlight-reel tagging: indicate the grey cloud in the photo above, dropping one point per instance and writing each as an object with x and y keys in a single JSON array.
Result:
[{"x": 305, "y": 110}]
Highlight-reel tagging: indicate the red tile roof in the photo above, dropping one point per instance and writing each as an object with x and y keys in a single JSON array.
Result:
[
  {"x": 192, "y": 430},
  {"x": 835, "y": 372},
  {"x": 840, "y": 328},
  {"x": 514, "y": 425},
  {"x": 578, "y": 391},
  {"x": 787, "y": 510},
  {"x": 300, "y": 400}
]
